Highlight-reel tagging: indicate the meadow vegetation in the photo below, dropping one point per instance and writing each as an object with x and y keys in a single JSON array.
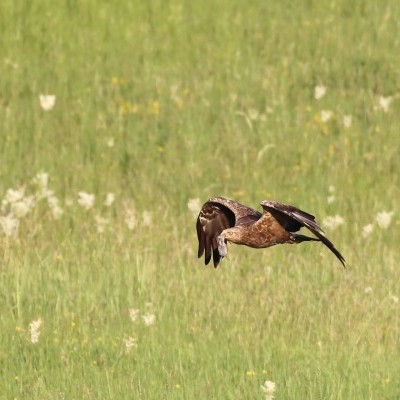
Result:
[{"x": 159, "y": 105}]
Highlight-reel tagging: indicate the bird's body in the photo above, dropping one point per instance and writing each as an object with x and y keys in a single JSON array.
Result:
[{"x": 223, "y": 220}]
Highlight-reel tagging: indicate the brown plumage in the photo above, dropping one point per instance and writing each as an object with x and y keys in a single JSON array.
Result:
[{"x": 223, "y": 220}]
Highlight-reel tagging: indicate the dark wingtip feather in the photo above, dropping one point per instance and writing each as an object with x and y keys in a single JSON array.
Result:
[
  {"x": 331, "y": 247},
  {"x": 216, "y": 257},
  {"x": 200, "y": 237},
  {"x": 207, "y": 257}
]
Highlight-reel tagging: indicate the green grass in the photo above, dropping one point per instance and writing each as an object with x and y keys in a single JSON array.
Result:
[{"x": 200, "y": 99}]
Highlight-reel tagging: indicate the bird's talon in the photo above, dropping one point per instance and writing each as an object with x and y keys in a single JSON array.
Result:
[{"x": 222, "y": 248}]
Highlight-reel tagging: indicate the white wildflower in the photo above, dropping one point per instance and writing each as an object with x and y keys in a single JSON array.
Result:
[
  {"x": 54, "y": 205},
  {"x": 384, "y": 103},
  {"x": 331, "y": 188},
  {"x": 332, "y": 222},
  {"x": 253, "y": 114},
  {"x": 330, "y": 199},
  {"x": 347, "y": 121},
  {"x": 326, "y": 115},
  {"x": 19, "y": 209},
  {"x": 49, "y": 194},
  {"x": 149, "y": 319},
  {"x": 133, "y": 314},
  {"x": 101, "y": 223},
  {"x": 46, "y": 193},
  {"x": 22, "y": 207},
  {"x": 34, "y": 329},
  {"x": 194, "y": 206},
  {"x": 384, "y": 218},
  {"x": 12, "y": 196},
  {"x": 86, "y": 200},
  {"x": 129, "y": 343},
  {"x": 110, "y": 142},
  {"x": 368, "y": 290},
  {"x": 268, "y": 388},
  {"x": 52, "y": 200},
  {"x": 367, "y": 230},
  {"x": 57, "y": 212},
  {"x": 41, "y": 179},
  {"x": 394, "y": 298},
  {"x": 109, "y": 199},
  {"x": 47, "y": 101},
  {"x": 319, "y": 92},
  {"x": 9, "y": 225},
  {"x": 130, "y": 217},
  {"x": 268, "y": 270},
  {"x": 147, "y": 218}
]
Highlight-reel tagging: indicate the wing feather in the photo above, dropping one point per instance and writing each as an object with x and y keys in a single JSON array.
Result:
[
  {"x": 201, "y": 238},
  {"x": 216, "y": 215},
  {"x": 207, "y": 250},
  {"x": 213, "y": 218},
  {"x": 216, "y": 255},
  {"x": 292, "y": 219}
]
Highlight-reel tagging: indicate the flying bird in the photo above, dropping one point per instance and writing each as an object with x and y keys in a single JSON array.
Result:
[{"x": 222, "y": 220}]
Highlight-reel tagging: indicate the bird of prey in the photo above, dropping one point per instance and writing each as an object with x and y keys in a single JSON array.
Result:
[{"x": 222, "y": 220}]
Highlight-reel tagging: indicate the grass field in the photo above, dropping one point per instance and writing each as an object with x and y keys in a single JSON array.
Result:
[{"x": 163, "y": 104}]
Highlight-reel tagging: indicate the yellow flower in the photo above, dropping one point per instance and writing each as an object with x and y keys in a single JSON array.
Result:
[
  {"x": 265, "y": 83},
  {"x": 133, "y": 109},
  {"x": 127, "y": 107},
  {"x": 154, "y": 108},
  {"x": 123, "y": 107},
  {"x": 117, "y": 81}
]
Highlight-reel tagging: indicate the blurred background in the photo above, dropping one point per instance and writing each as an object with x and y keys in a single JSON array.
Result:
[{"x": 119, "y": 120}]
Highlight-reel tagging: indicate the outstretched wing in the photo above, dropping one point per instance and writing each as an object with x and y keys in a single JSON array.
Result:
[
  {"x": 292, "y": 219},
  {"x": 218, "y": 214}
]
